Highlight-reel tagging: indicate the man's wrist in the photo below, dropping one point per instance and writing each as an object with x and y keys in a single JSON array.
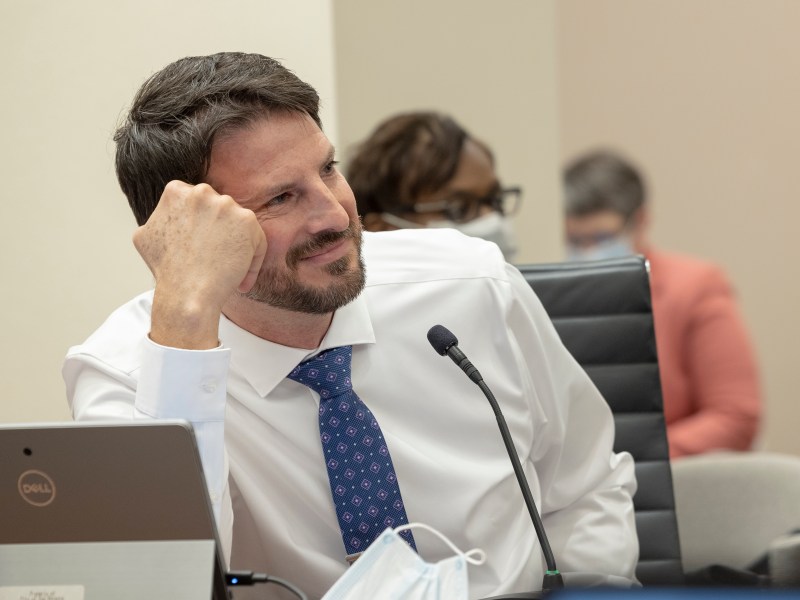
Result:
[{"x": 186, "y": 324}]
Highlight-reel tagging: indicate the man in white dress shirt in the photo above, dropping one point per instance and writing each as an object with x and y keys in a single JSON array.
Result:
[{"x": 259, "y": 263}]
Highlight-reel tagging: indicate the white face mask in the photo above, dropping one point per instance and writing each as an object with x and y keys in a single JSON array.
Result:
[
  {"x": 390, "y": 569},
  {"x": 616, "y": 247},
  {"x": 492, "y": 226}
]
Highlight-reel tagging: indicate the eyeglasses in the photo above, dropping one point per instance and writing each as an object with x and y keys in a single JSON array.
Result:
[
  {"x": 462, "y": 206},
  {"x": 595, "y": 238}
]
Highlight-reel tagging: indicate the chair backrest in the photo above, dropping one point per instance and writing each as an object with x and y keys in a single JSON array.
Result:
[
  {"x": 733, "y": 505},
  {"x": 603, "y": 313}
]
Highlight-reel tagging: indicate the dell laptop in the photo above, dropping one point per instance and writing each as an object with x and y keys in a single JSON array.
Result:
[{"x": 91, "y": 511}]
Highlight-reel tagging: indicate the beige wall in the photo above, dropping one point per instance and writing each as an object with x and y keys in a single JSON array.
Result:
[
  {"x": 705, "y": 96},
  {"x": 489, "y": 64},
  {"x": 69, "y": 71}
]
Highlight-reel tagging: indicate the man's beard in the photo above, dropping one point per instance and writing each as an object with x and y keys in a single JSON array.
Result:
[{"x": 280, "y": 287}]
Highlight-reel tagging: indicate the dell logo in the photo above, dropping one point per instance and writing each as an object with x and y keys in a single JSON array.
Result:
[{"x": 36, "y": 488}]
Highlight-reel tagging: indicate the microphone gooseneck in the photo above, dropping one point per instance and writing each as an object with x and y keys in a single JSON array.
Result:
[{"x": 445, "y": 343}]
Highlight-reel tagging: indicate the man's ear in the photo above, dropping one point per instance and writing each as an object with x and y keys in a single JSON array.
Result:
[
  {"x": 641, "y": 217},
  {"x": 640, "y": 221}
]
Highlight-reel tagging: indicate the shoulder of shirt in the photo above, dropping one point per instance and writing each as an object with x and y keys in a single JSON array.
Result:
[
  {"x": 418, "y": 255},
  {"x": 117, "y": 340}
]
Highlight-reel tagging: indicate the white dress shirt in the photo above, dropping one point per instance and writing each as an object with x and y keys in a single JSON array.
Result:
[{"x": 259, "y": 439}]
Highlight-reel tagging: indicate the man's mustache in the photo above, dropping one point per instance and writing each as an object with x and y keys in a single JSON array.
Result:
[{"x": 320, "y": 242}]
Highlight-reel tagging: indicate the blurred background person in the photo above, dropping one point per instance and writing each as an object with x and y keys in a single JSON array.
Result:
[
  {"x": 422, "y": 169},
  {"x": 709, "y": 376}
]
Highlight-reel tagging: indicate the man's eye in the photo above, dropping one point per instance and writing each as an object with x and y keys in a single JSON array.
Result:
[
  {"x": 278, "y": 200},
  {"x": 330, "y": 167}
]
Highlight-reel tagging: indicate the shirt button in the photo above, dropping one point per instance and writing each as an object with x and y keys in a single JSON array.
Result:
[
  {"x": 209, "y": 386},
  {"x": 212, "y": 495}
]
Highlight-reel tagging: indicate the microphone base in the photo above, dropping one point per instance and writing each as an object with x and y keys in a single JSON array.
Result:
[{"x": 571, "y": 580}]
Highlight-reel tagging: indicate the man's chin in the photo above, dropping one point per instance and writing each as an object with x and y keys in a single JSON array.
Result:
[{"x": 290, "y": 291}]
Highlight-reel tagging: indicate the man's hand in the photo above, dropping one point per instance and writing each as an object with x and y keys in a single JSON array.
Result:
[{"x": 201, "y": 247}]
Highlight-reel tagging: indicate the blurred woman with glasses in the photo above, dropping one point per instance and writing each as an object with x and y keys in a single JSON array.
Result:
[{"x": 423, "y": 169}]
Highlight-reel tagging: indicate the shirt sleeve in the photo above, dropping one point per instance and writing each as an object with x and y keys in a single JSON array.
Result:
[
  {"x": 586, "y": 489},
  {"x": 722, "y": 370},
  {"x": 169, "y": 383}
]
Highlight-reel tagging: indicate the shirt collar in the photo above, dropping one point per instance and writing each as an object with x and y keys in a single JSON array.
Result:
[{"x": 265, "y": 364}]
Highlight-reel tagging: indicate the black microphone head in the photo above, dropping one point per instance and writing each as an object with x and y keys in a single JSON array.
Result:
[{"x": 441, "y": 338}]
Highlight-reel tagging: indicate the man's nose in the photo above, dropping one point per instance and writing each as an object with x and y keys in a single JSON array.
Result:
[{"x": 325, "y": 209}]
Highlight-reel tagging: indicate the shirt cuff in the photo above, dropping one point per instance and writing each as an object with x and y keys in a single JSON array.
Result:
[{"x": 175, "y": 383}]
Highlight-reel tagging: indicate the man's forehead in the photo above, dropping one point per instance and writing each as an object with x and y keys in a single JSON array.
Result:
[
  {"x": 275, "y": 125},
  {"x": 604, "y": 219},
  {"x": 270, "y": 138}
]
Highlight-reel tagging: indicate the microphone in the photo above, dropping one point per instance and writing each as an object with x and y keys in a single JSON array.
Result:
[{"x": 446, "y": 344}]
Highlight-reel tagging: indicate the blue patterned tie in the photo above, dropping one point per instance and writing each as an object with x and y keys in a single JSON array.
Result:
[{"x": 363, "y": 483}]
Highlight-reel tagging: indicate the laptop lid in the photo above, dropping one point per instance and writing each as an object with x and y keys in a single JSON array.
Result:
[{"x": 98, "y": 510}]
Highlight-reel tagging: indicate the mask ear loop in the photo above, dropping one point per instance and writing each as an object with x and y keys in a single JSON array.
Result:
[
  {"x": 400, "y": 222},
  {"x": 476, "y": 556}
]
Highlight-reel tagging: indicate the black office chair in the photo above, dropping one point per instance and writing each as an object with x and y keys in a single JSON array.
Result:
[{"x": 603, "y": 313}]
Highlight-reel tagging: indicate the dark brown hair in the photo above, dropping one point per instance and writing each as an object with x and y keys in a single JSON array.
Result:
[
  {"x": 178, "y": 112},
  {"x": 405, "y": 156}
]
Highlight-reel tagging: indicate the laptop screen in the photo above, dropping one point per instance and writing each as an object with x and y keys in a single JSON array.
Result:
[{"x": 93, "y": 505}]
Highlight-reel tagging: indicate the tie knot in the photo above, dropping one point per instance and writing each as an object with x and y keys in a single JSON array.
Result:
[{"x": 328, "y": 373}]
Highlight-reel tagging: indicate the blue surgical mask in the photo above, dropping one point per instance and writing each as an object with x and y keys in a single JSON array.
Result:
[
  {"x": 389, "y": 568},
  {"x": 615, "y": 247}
]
